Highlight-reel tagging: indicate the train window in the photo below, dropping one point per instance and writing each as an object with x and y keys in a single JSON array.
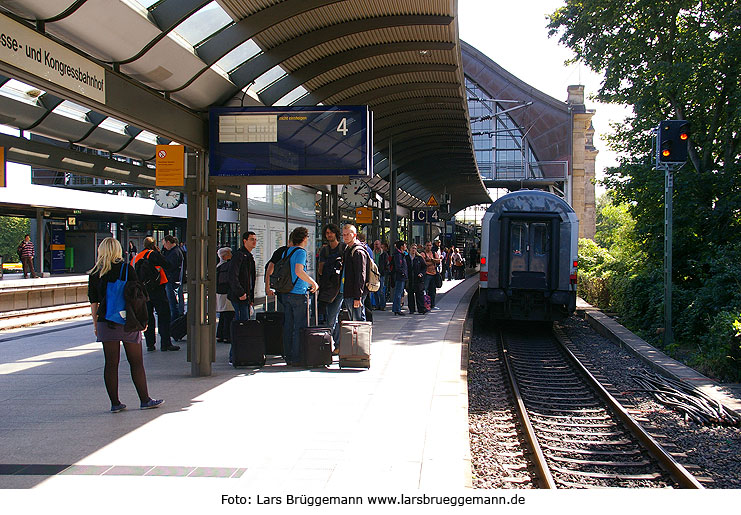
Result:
[
  {"x": 518, "y": 235},
  {"x": 540, "y": 239}
]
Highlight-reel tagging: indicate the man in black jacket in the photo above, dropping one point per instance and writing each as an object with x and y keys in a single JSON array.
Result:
[
  {"x": 355, "y": 263},
  {"x": 174, "y": 256},
  {"x": 242, "y": 276},
  {"x": 157, "y": 296},
  {"x": 401, "y": 275}
]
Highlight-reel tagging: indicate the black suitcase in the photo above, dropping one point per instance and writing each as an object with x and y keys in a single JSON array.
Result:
[
  {"x": 315, "y": 342},
  {"x": 179, "y": 327},
  {"x": 248, "y": 343},
  {"x": 273, "y": 326}
]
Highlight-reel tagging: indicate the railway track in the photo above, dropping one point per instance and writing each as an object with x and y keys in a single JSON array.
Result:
[{"x": 578, "y": 434}]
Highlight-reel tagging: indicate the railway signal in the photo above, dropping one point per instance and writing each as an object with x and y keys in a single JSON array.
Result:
[{"x": 673, "y": 136}]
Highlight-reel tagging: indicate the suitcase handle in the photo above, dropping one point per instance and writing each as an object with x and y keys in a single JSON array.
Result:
[
  {"x": 276, "y": 302},
  {"x": 316, "y": 310}
]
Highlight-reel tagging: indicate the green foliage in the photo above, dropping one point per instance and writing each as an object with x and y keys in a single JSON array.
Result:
[
  {"x": 594, "y": 273},
  {"x": 668, "y": 59},
  {"x": 720, "y": 351},
  {"x": 12, "y": 231}
]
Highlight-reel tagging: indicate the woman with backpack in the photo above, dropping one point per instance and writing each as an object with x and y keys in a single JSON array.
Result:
[{"x": 107, "y": 282}]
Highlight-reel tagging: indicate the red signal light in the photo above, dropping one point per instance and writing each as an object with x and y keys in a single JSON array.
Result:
[
  {"x": 666, "y": 153},
  {"x": 683, "y": 136}
]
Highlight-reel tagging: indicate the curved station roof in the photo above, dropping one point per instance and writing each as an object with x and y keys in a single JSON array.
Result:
[{"x": 168, "y": 61}]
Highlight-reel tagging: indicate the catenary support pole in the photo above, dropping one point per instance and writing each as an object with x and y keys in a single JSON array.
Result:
[{"x": 393, "y": 234}]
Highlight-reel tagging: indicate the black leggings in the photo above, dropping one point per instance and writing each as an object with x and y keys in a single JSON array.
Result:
[{"x": 112, "y": 352}]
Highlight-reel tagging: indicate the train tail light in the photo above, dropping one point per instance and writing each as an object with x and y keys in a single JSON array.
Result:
[
  {"x": 484, "y": 277},
  {"x": 572, "y": 279},
  {"x": 576, "y": 264},
  {"x": 483, "y": 260}
]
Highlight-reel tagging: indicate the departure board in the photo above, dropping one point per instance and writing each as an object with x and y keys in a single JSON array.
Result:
[{"x": 290, "y": 141}]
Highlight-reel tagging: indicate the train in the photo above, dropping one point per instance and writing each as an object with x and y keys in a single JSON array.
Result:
[{"x": 529, "y": 258}]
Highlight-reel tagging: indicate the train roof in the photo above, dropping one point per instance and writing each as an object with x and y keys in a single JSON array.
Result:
[{"x": 531, "y": 201}]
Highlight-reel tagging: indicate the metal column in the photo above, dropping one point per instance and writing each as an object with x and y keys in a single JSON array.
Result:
[
  {"x": 243, "y": 212},
  {"x": 335, "y": 205},
  {"x": 40, "y": 241},
  {"x": 201, "y": 335},
  {"x": 393, "y": 235},
  {"x": 668, "y": 214}
]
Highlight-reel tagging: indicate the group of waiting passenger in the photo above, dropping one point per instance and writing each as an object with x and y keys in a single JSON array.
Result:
[
  {"x": 344, "y": 276},
  {"x": 343, "y": 282}
]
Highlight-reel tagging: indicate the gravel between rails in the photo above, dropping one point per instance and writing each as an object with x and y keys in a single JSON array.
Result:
[{"x": 715, "y": 450}]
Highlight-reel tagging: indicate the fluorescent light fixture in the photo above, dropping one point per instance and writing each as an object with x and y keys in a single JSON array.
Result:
[
  {"x": 147, "y": 177},
  {"x": 75, "y": 162},
  {"x": 116, "y": 170},
  {"x": 235, "y": 194},
  {"x": 28, "y": 153},
  {"x": 220, "y": 192}
]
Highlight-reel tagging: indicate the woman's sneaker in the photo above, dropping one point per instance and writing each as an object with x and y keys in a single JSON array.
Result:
[
  {"x": 152, "y": 403},
  {"x": 118, "y": 407}
]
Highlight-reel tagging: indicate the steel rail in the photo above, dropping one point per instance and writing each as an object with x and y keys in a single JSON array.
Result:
[
  {"x": 529, "y": 432},
  {"x": 677, "y": 472}
]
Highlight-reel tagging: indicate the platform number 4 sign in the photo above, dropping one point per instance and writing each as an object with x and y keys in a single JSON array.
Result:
[{"x": 342, "y": 127}]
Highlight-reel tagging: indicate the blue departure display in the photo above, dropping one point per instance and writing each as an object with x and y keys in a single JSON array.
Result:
[{"x": 301, "y": 140}]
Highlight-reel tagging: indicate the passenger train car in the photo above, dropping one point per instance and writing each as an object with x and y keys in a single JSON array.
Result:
[{"x": 529, "y": 257}]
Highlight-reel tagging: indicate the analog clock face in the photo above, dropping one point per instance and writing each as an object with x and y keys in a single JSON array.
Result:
[
  {"x": 356, "y": 193},
  {"x": 168, "y": 199}
]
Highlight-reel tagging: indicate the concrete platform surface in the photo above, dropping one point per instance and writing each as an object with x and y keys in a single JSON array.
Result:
[{"x": 401, "y": 425}]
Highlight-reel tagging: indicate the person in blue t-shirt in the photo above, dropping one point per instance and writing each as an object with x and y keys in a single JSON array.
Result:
[{"x": 295, "y": 303}]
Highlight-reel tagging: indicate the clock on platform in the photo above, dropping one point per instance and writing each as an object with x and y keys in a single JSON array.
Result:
[
  {"x": 168, "y": 199},
  {"x": 356, "y": 193}
]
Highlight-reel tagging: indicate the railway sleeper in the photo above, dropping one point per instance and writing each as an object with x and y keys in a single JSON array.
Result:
[
  {"x": 603, "y": 475},
  {"x": 592, "y": 452},
  {"x": 640, "y": 463},
  {"x": 580, "y": 433}
]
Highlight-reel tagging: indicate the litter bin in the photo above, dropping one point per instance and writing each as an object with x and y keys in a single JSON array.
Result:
[{"x": 69, "y": 258}]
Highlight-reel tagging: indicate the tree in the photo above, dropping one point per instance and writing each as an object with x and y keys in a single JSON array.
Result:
[
  {"x": 672, "y": 59},
  {"x": 12, "y": 231},
  {"x": 668, "y": 59}
]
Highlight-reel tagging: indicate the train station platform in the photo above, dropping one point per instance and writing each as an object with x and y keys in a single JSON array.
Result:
[{"x": 402, "y": 425}]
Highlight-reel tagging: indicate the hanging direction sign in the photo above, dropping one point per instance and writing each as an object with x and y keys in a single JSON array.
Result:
[{"x": 299, "y": 141}]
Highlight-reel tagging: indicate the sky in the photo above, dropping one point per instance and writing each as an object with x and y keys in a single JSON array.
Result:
[{"x": 513, "y": 34}]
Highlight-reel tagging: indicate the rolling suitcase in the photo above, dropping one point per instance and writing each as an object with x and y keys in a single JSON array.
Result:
[
  {"x": 248, "y": 343},
  {"x": 273, "y": 326},
  {"x": 179, "y": 327},
  {"x": 315, "y": 342},
  {"x": 355, "y": 341}
]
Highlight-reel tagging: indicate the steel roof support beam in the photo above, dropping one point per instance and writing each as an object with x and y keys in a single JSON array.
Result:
[
  {"x": 333, "y": 88},
  {"x": 452, "y": 125},
  {"x": 224, "y": 41},
  {"x": 369, "y": 96},
  {"x": 167, "y": 14},
  {"x": 250, "y": 70},
  {"x": 301, "y": 76}
]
